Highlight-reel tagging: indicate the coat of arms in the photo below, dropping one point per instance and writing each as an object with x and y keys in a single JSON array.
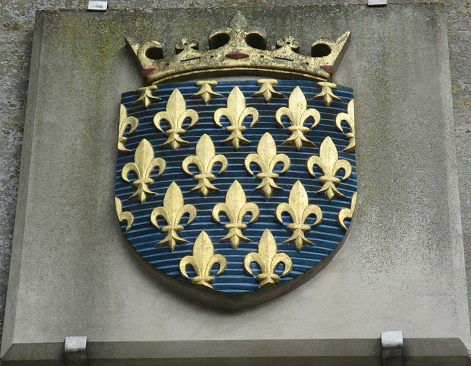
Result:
[{"x": 236, "y": 169}]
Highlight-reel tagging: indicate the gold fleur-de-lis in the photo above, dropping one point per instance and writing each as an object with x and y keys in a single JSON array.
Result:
[
  {"x": 350, "y": 119},
  {"x": 146, "y": 97},
  {"x": 328, "y": 162},
  {"x": 123, "y": 215},
  {"x": 326, "y": 93},
  {"x": 299, "y": 209},
  {"x": 267, "y": 158},
  {"x": 125, "y": 121},
  {"x": 235, "y": 209},
  {"x": 266, "y": 89},
  {"x": 204, "y": 160},
  {"x": 347, "y": 213},
  {"x": 143, "y": 165},
  {"x": 236, "y": 112},
  {"x": 175, "y": 115},
  {"x": 202, "y": 260},
  {"x": 297, "y": 114},
  {"x": 268, "y": 258},
  {"x": 206, "y": 92},
  {"x": 172, "y": 211}
]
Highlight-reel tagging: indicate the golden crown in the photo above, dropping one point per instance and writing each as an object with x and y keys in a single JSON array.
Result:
[{"x": 236, "y": 50}]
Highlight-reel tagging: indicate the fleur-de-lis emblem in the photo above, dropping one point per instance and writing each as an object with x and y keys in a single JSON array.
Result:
[
  {"x": 328, "y": 162},
  {"x": 175, "y": 115},
  {"x": 326, "y": 93},
  {"x": 347, "y": 213},
  {"x": 267, "y": 158},
  {"x": 235, "y": 209},
  {"x": 350, "y": 119},
  {"x": 299, "y": 209},
  {"x": 206, "y": 92},
  {"x": 202, "y": 260},
  {"x": 172, "y": 211},
  {"x": 236, "y": 112},
  {"x": 204, "y": 160},
  {"x": 297, "y": 114},
  {"x": 268, "y": 259},
  {"x": 266, "y": 89},
  {"x": 125, "y": 121},
  {"x": 144, "y": 164},
  {"x": 123, "y": 215},
  {"x": 146, "y": 97}
]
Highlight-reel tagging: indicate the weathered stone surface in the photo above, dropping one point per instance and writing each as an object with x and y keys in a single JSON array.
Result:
[{"x": 401, "y": 268}]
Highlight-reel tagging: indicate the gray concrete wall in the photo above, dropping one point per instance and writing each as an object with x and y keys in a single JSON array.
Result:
[{"x": 16, "y": 24}]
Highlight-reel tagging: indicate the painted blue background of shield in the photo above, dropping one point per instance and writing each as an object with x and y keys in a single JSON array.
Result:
[{"x": 143, "y": 236}]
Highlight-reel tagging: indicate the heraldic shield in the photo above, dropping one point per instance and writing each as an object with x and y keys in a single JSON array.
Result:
[{"x": 236, "y": 187}]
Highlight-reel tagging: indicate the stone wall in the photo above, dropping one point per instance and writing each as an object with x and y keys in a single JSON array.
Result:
[{"x": 16, "y": 26}]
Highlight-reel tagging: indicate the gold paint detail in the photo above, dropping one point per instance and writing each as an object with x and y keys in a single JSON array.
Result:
[
  {"x": 326, "y": 93},
  {"x": 125, "y": 121},
  {"x": 206, "y": 92},
  {"x": 267, "y": 91},
  {"x": 172, "y": 211},
  {"x": 236, "y": 112},
  {"x": 143, "y": 165},
  {"x": 123, "y": 215},
  {"x": 268, "y": 259},
  {"x": 202, "y": 260},
  {"x": 235, "y": 209},
  {"x": 328, "y": 162},
  {"x": 348, "y": 117},
  {"x": 267, "y": 158},
  {"x": 299, "y": 209},
  {"x": 297, "y": 114},
  {"x": 175, "y": 115},
  {"x": 347, "y": 213},
  {"x": 204, "y": 159},
  {"x": 146, "y": 97},
  {"x": 188, "y": 61}
]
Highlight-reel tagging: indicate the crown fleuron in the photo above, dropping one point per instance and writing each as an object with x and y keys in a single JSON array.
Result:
[{"x": 239, "y": 50}]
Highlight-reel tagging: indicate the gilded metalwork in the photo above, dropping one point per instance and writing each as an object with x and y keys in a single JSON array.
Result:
[
  {"x": 299, "y": 209},
  {"x": 267, "y": 158},
  {"x": 143, "y": 165},
  {"x": 236, "y": 112},
  {"x": 348, "y": 117},
  {"x": 347, "y": 213},
  {"x": 235, "y": 209},
  {"x": 202, "y": 260},
  {"x": 204, "y": 159},
  {"x": 127, "y": 216},
  {"x": 260, "y": 87},
  {"x": 124, "y": 122},
  {"x": 326, "y": 93},
  {"x": 172, "y": 211},
  {"x": 267, "y": 91},
  {"x": 238, "y": 56},
  {"x": 297, "y": 114},
  {"x": 268, "y": 259},
  {"x": 206, "y": 92},
  {"x": 175, "y": 114},
  {"x": 328, "y": 162},
  {"x": 146, "y": 97}
]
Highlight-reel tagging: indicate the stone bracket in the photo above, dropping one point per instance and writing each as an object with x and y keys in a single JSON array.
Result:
[
  {"x": 392, "y": 345},
  {"x": 377, "y": 2},
  {"x": 75, "y": 351},
  {"x": 97, "y": 5}
]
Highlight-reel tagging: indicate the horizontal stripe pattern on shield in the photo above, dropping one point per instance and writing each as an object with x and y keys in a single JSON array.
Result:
[{"x": 143, "y": 236}]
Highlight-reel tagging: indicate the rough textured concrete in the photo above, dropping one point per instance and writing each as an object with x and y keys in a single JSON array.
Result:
[{"x": 410, "y": 279}]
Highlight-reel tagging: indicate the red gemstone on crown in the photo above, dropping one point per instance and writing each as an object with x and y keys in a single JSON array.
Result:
[
  {"x": 328, "y": 68},
  {"x": 237, "y": 55}
]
